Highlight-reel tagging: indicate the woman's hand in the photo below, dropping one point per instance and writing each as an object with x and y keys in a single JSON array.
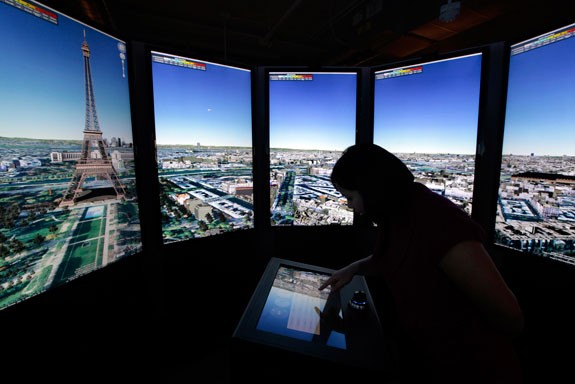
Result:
[{"x": 340, "y": 277}]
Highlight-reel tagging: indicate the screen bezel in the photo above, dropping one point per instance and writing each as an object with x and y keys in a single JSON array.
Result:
[
  {"x": 496, "y": 173},
  {"x": 50, "y": 295},
  {"x": 150, "y": 49}
]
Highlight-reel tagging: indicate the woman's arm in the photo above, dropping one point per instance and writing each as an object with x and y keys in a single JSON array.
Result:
[
  {"x": 470, "y": 267},
  {"x": 365, "y": 266},
  {"x": 344, "y": 275}
]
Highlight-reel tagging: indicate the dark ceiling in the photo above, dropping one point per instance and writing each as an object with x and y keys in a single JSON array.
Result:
[{"x": 316, "y": 32}]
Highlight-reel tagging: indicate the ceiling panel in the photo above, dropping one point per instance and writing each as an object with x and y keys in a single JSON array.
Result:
[{"x": 316, "y": 32}]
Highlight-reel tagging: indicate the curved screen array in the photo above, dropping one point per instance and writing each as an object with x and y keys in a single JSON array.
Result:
[
  {"x": 68, "y": 200},
  {"x": 312, "y": 119},
  {"x": 536, "y": 206},
  {"x": 427, "y": 115},
  {"x": 203, "y": 120}
]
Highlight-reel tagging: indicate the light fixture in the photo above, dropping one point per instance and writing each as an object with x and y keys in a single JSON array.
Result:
[{"x": 449, "y": 12}]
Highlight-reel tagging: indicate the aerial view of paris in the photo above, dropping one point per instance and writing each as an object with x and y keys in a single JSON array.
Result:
[
  {"x": 203, "y": 121},
  {"x": 429, "y": 119},
  {"x": 536, "y": 210},
  {"x": 68, "y": 203}
]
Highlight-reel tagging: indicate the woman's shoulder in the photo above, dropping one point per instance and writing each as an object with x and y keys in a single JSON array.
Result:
[
  {"x": 426, "y": 199},
  {"x": 440, "y": 218}
]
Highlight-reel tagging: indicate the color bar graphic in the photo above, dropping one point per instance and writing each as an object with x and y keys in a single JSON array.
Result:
[
  {"x": 179, "y": 62},
  {"x": 387, "y": 74},
  {"x": 33, "y": 9},
  {"x": 291, "y": 77}
]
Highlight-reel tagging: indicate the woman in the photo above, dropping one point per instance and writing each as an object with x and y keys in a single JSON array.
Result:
[{"x": 457, "y": 316}]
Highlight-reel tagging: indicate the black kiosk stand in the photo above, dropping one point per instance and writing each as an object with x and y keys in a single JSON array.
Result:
[{"x": 292, "y": 332}]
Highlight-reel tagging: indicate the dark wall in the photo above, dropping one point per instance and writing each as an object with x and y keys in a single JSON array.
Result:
[
  {"x": 96, "y": 325},
  {"x": 545, "y": 289}
]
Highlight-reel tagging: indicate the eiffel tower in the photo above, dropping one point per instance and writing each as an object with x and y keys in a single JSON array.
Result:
[{"x": 100, "y": 165}]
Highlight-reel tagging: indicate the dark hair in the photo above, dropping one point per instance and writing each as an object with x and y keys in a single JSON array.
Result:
[{"x": 381, "y": 178}]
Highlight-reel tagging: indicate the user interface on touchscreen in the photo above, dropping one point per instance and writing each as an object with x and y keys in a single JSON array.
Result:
[{"x": 296, "y": 308}]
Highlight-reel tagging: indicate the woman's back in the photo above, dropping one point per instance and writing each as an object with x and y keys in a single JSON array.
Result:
[{"x": 440, "y": 327}]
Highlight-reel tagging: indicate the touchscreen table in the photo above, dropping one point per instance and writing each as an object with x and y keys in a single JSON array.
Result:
[
  {"x": 287, "y": 311},
  {"x": 295, "y": 307}
]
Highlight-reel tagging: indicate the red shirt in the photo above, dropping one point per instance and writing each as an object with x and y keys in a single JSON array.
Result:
[{"x": 441, "y": 325}]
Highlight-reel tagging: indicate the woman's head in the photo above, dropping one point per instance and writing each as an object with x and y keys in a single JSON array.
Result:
[{"x": 379, "y": 177}]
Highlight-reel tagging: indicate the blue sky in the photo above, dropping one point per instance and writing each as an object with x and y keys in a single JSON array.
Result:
[
  {"x": 313, "y": 114},
  {"x": 434, "y": 111},
  {"x": 211, "y": 107},
  {"x": 42, "y": 79},
  {"x": 540, "y": 116}
]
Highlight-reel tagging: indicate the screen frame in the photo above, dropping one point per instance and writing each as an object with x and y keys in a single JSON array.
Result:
[
  {"x": 85, "y": 282},
  {"x": 495, "y": 171},
  {"x": 149, "y": 50}
]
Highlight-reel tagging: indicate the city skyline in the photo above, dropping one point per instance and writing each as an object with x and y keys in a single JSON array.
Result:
[
  {"x": 434, "y": 110},
  {"x": 42, "y": 64}
]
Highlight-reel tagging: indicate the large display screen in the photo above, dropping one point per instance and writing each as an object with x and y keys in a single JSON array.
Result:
[
  {"x": 427, "y": 115},
  {"x": 203, "y": 119},
  {"x": 312, "y": 119},
  {"x": 68, "y": 203},
  {"x": 536, "y": 206}
]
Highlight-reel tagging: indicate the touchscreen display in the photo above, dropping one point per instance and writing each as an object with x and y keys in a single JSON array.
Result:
[{"x": 296, "y": 308}]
